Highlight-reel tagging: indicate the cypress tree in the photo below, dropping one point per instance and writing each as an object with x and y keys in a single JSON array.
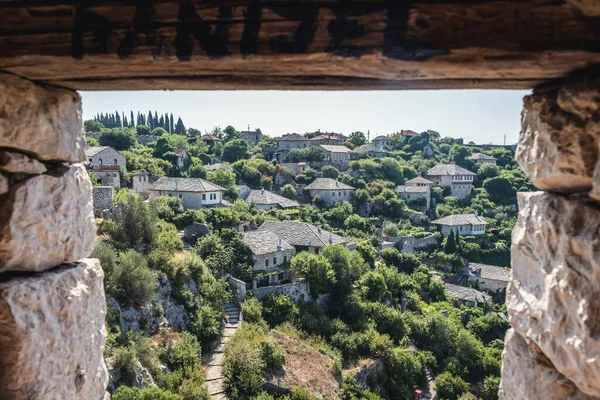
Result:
[
  {"x": 167, "y": 124},
  {"x": 171, "y": 124},
  {"x": 180, "y": 128},
  {"x": 149, "y": 120},
  {"x": 156, "y": 120},
  {"x": 162, "y": 121},
  {"x": 132, "y": 121},
  {"x": 450, "y": 247}
]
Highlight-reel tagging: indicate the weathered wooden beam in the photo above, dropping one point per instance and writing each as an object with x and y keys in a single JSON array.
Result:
[{"x": 298, "y": 44}]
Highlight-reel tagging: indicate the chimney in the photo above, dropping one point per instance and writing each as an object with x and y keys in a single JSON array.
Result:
[
  {"x": 175, "y": 184},
  {"x": 262, "y": 191},
  {"x": 279, "y": 244},
  {"x": 319, "y": 229},
  {"x": 476, "y": 213},
  {"x": 330, "y": 238},
  {"x": 337, "y": 183}
]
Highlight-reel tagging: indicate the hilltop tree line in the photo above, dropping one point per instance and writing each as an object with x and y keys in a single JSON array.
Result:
[{"x": 152, "y": 121}]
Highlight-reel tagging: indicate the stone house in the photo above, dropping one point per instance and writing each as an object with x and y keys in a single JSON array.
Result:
[
  {"x": 106, "y": 162},
  {"x": 331, "y": 190},
  {"x": 407, "y": 134},
  {"x": 195, "y": 193},
  {"x": 480, "y": 158},
  {"x": 489, "y": 277},
  {"x": 371, "y": 150},
  {"x": 458, "y": 179},
  {"x": 466, "y": 295},
  {"x": 336, "y": 154},
  {"x": 461, "y": 224},
  {"x": 329, "y": 138},
  {"x": 104, "y": 155},
  {"x": 303, "y": 236},
  {"x": 211, "y": 140},
  {"x": 266, "y": 200},
  {"x": 410, "y": 193},
  {"x": 419, "y": 181},
  {"x": 293, "y": 141},
  {"x": 141, "y": 182},
  {"x": 252, "y": 137},
  {"x": 381, "y": 141},
  {"x": 269, "y": 251}
]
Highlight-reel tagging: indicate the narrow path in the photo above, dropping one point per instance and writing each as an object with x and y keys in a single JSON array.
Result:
[{"x": 214, "y": 371}]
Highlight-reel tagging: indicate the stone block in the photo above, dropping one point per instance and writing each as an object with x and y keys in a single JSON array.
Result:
[
  {"x": 527, "y": 374},
  {"x": 42, "y": 120},
  {"x": 52, "y": 334},
  {"x": 560, "y": 137},
  {"x": 554, "y": 296},
  {"x": 46, "y": 220}
]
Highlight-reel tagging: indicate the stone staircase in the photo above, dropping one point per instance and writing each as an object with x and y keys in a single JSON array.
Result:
[{"x": 214, "y": 371}]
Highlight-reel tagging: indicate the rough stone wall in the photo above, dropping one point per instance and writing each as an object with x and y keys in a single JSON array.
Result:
[
  {"x": 102, "y": 198},
  {"x": 51, "y": 306},
  {"x": 553, "y": 300},
  {"x": 109, "y": 178}
]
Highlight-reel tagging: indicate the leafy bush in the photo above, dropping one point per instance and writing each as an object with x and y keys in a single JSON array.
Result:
[
  {"x": 390, "y": 228},
  {"x": 108, "y": 257},
  {"x": 243, "y": 364},
  {"x": 131, "y": 281},
  {"x": 402, "y": 261},
  {"x": 133, "y": 393},
  {"x": 278, "y": 308},
  {"x": 252, "y": 311},
  {"x": 272, "y": 357},
  {"x": 450, "y": 387},
  {"x": 315, "y": 269},
  {"x": 329, "y": 171},
  {"x": 288, "y": 192},
  {"x": 205, "y": 325}
]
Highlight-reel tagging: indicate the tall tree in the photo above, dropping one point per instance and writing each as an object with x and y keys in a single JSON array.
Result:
[
  {"x": 161, "y": 123},
  {"x": 171, "y": 124},
  {"x": 179, "y": 127},
  {"x": 156, "y": 120},
  {"x": 167, "y": 123},
  {"x": 125, "y": 122},
  {"x": 450, "y": 246},
  {"x": 149, "y": 120},
  {"x": 132, "y": 120}
]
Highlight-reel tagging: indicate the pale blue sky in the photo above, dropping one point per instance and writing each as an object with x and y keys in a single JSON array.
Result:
[{"x": 482, "y": 116}]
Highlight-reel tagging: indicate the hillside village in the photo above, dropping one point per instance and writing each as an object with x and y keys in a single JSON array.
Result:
[{"x": 225, "y": 251}]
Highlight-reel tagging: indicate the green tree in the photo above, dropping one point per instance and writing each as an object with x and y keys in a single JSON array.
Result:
[
  {"x": 279, "y": 308},
  {"x": 340, "y": 259},
  {"x": 329, "y": 171},
  {"x": 159, "y": 131},
  {"x": 357, "y": 138},
  {"x": 118, "y": 138},
  {"x": 91, "y": 125},
  {"x": 359, "y": 198},
  {"x": 180, "y": 127},
  {"x": 402, "y": 261},
  {"x": 288, "y": 192},
  {"x": 143, "y": 130},
  {"x": 222, "y": 178},
  {"x": 234, "y": 150},
  {"x": 372, "y": 285},
  {"x": 231, "y": 133},
  {"x": 491, "y": 385},
  {"x": 136, "y": 226},
  {"x": 131, "y": 281},
  {"x": 315, "y": 269},
  {"x": 450, "y": 245},
  {"x": 450, "y": 387},
  {"x": 197, "y": 170},
  {"x": 433, "y": 135},
  {"x": 499, "y": 189},
  {"x": 266, "y": 183}
]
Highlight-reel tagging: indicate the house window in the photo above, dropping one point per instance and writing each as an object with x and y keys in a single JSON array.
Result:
[
  {"x": 100, "y": 161},
  {"x": 340, "y": 194},
  {"x": 280, "y": 276},
  {"x": 284, "y": 259},
  {"x": 344, "y": 193},
  {"x": 114, "y": 175},
  {"x": 316, "y": 250},
  {"x": 266, "y": 262},
  {"x": 140, "y": 179},
  {"x": 115, "y": 161},
  {"x": 275, "y": 260},
  {"x": 203, "y": 196},
  {"x": 181, "y": 196},
  {"x": 333, "y": 194}
]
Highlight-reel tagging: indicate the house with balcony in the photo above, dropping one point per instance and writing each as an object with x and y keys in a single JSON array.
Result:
[
  {"x": 195, "y": 193},
  {"x": 106, "y": 163},
  {"x": 331, "y": 190},
  {"x": 461, "y": 224},
  {"x": 458, "y": 179}
]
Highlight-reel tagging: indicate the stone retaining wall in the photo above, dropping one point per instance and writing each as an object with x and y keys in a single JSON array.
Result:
[
  {"x": 52, "y": 306},
  {"x": 102, "y": 198},
  {"x": 299, "y": 291}
]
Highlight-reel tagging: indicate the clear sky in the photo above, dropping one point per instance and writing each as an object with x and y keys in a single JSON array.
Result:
[{"x": 482, "y": 116}]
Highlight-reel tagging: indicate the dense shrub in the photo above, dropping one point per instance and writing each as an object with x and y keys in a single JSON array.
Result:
[
  {"x": 278, "y": 308},
  {"x": 131, "y": 281},
  {"x": 450, "y": 387},
  {"x": 272, "y": 357}
]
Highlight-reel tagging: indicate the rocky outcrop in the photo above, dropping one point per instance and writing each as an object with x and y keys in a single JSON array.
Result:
[
  {"x": 52, "y": 334},
  {"x": 553, "y": 299},
  {"x": 45, "y": 219},
  {"x": 560, "y": 137},
  {"x": 528, "y": 374},
  {"x": 45, "y": 121}
]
